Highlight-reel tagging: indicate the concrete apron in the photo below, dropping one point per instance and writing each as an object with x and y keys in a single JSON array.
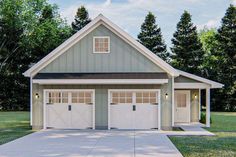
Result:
[{"x": 79, "y": 143}]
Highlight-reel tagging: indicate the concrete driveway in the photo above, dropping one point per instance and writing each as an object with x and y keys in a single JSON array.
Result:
[{"x": 77, "y": 143}]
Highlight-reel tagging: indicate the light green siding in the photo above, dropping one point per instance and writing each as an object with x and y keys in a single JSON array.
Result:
[
  {"x": 194, "y": 105},
  {"x": 37, "y": 107},
  {"x": 166, "y": 107},
  {"x": 122, "y": 57},
  {"x": 183, "y": 79},
  {"x": 101, "y": 101}
]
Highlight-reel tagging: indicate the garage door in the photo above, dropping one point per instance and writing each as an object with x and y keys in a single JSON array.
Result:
[
  {"x": 67, "y": 109},
  {"x": 134, "y": 109}
]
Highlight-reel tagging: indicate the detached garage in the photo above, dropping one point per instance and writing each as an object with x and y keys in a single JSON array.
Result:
[{"x": 102, "y": 78}]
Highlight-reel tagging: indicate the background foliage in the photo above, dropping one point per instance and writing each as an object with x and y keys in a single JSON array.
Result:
[{"x": 30, "y": 29}]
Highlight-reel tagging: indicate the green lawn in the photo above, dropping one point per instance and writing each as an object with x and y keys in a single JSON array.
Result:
[
  {"x": 13, "y": 125},
  {"x": 221, "y": 145}
]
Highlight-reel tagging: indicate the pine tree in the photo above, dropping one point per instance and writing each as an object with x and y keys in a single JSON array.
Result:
[
  {"x": 227, "y": 46},
  {"x": 151, "y": 37},
  {"x": 187, "y": 48},
  {"x": 81, "y": 19},
  {"x": 47, "y": 13}
]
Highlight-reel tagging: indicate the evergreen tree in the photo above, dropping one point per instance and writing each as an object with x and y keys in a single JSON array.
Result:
[
  {"x": 81, "y": 19},
  {"x": 187, "y": 48},
  {"x": 227, "y": 47},
  {"x": 151, "y": 37}
]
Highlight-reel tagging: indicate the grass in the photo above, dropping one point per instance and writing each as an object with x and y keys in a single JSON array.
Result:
[
  {"x": 223, "y": 122},
  {"x": 13, "y": 125},
  {"x": 221, "y": 145}
]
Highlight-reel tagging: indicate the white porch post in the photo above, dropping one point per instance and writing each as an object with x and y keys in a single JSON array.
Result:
[
  {"x": 173, "y": 101},
  {"x": 199, "y": 103},
  {"x": 208, "y": 107},
  {"x": 159, "y": 110},
  {"x": 31, "y": 101}
]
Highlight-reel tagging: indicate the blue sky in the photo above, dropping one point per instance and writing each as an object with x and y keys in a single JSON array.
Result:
[{"x": 129, "y": 14}]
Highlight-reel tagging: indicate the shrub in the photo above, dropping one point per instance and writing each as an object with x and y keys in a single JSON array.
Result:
[{"x": 203, "y": 118}]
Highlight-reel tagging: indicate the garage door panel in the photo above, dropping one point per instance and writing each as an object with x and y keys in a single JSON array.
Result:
[
  {"x": 67, "y": 109},
  {"x": 56, "y": 116},
  {"x": 81, "y": 116},
  {"x": 120, "y": 117},
  {"x": 144, "y": 115}
]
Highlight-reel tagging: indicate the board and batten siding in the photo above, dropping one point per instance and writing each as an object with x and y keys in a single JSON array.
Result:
[
  {"x": 101, "y": 102},
  {"x": 183, "y": 79},
  {"x": 166, "y": 105},
  {"x": 122, "y": 57},
  {"x": 194, "y": 105}
]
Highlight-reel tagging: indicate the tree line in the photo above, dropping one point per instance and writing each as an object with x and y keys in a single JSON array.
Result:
[{"x": 30, "y": 29}]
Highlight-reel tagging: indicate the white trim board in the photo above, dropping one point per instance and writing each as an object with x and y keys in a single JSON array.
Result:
[
  {"x": 100, "y": 19},
  {"x": 212, "y": 84},
  {"x": 191, "y": 85},
  {"x": 31, "y": 101},
  {"x": 173, "y": 101},
  {"x": 100, "y": 81}
]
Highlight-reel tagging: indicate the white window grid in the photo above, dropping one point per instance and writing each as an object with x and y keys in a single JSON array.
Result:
[
  {"x": 81, "y": 97},
  {"x": 101, "y": 44}
]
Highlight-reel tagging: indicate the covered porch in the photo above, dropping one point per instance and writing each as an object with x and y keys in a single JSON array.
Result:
[{"x": 187, "y": 106}]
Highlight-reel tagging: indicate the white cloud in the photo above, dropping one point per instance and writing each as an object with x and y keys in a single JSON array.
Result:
[
  {"x": 213, "y": 23},
  {"x": 126, "y": 14},
  {"x": 107, "y": 3},
  {"x": 233, "y": 2},
  {"x": 130, "y": 14}
]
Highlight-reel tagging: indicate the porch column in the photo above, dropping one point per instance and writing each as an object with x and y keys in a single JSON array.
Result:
[
  {"x": 199, "y": 103},
  {"x": 208, "y": 107}
]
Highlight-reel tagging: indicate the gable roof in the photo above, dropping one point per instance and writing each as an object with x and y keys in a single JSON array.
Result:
[
  {"x": 213, "y": 84},
  {"x": 100, "y": 19}
]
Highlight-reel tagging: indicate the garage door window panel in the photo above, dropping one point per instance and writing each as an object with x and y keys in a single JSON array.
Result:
[
  {"x": 121, "y": 97},
  {"x": 146, "y": 97},
  {"x": 82, "y": 97},
  {"x": 57, "y": 97}
]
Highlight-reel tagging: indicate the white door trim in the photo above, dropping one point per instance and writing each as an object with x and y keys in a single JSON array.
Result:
[
  {"x": 44, "y": 103},
  {"x": 188, "y": 92},
  {"x": 133, "y": 90}
]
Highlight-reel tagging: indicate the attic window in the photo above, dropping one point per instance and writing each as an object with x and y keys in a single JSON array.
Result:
[{"x": 101, "y": 44}]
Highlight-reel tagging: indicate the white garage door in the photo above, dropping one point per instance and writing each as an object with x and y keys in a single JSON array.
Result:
[
  {"x": 69, "y": 109},
  {"x": 134, "y": 109}
]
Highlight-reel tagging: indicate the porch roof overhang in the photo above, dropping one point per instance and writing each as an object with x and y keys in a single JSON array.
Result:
[
  {"x": 204, "y": 83},
  {"x": 101, "y": 78}
]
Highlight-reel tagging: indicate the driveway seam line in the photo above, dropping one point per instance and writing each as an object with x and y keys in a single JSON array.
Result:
[
  {"x": 93, "y": 146},
  {"x": 134, "y": 144}
]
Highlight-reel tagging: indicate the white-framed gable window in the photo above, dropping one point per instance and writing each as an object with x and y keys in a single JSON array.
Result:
[{"x": 101, "y": 44}]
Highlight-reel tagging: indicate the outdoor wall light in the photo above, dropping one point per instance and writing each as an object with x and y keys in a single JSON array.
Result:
[
  {"x": 166, "y": 96},
  {"x": 195, "y": 96},
  {"x": 36, "y": 95}
]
